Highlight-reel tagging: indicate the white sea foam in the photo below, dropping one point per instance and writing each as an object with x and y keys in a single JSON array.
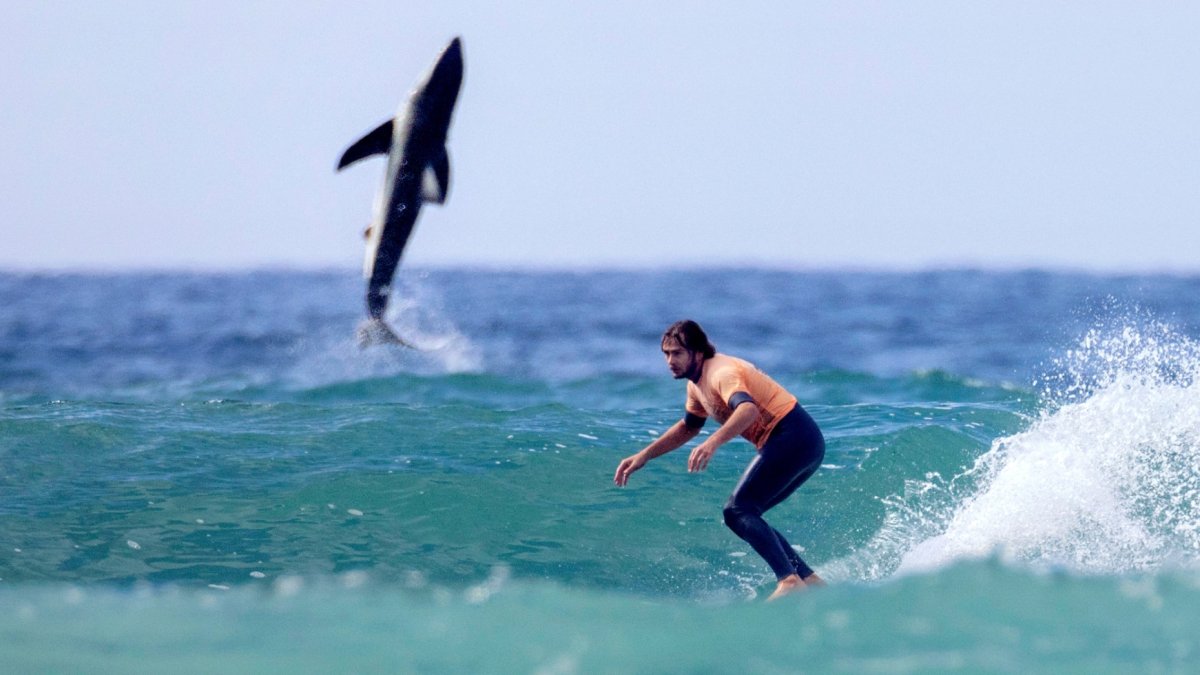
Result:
[
  {"x": 1105, "y": 481},
  {"x": 417, "y": 314}
]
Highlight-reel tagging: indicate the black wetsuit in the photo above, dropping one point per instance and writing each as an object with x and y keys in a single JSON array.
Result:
[{"x": 792, "y": 453}]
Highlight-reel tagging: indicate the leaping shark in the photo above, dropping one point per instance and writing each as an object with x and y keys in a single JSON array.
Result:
[{"x": 418, "y": 171}]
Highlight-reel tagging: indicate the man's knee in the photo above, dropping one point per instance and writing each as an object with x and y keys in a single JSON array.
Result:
[{"x": 736, "y": 516}]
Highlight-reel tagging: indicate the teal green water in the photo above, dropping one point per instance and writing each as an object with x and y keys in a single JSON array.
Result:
[
  {"x": 210, "y": 492},
  {"x": 973, "y": 617}
]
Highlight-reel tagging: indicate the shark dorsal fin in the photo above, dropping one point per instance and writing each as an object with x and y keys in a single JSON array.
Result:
[
  {"x": 377, "y": 142},
  {"x": 435, "y": 182}
]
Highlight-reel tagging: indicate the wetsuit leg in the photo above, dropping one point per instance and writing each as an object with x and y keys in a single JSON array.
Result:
[
  {"x": 798, "y": 563},
  {"x": 794, "y": 558},
  {"x": 790, "y": 456}
]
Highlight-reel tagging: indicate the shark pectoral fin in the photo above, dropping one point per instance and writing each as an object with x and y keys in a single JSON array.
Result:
[
  {"x": 377, "y": 142},
  {"x": 435, "y": 182}
]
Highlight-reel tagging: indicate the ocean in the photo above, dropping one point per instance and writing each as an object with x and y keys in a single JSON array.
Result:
[{"x": 203, "y": 472}]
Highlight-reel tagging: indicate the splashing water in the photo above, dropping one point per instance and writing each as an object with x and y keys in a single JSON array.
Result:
[
  {"x": 417, "y": 313},
  {"x": 1105, "y": 481}
]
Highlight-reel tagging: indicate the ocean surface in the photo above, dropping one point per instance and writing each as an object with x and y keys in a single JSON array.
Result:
[{"x": 204, "y": 473}]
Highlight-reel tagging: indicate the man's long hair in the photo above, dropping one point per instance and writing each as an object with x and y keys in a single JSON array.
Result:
[{"x": 691, "y": 336}]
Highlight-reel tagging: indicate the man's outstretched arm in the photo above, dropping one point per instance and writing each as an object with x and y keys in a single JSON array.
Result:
[
  {"x": 744, "y": 415},
  {"x": 674, "y": 438}
]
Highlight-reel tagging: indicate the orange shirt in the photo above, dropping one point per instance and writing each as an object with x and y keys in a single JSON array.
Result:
[{"x": 723, "y": 376}]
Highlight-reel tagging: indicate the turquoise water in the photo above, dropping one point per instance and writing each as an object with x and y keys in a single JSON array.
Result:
[
  {"x": 974, "y": 617},
  {"x": 203, "y": 472}
]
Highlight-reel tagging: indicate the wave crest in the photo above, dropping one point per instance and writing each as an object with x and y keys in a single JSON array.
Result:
[{"x": 1105, "y": 481}]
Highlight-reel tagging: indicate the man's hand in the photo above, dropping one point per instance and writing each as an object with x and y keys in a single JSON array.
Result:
[
  {"x": 627, "y": 467},
  {"x": 744, "y": 415},
  {"x": 698, "y": 461}
]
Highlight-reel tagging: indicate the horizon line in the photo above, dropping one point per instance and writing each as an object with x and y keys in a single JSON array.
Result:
[{"x": 555, "y": 268}]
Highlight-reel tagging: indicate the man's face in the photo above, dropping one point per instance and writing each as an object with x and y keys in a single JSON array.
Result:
[{"x": 683, "y": 362}]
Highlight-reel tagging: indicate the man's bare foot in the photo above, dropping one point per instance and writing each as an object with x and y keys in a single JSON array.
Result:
[
  {"x": 814, "y": 580},
  {"x": 787, "y": 585}
]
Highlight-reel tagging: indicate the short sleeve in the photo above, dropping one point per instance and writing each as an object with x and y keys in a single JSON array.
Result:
[{"x": 729, "y": 382}]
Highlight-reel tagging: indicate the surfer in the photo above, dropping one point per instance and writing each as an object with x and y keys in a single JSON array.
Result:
[{"x": 746, "y": 402}]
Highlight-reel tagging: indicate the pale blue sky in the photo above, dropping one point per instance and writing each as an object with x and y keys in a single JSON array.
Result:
[{"x": 800, "y": 134}]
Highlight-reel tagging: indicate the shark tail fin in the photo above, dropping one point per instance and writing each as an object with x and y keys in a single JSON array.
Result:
[
  {"x": 377, "y": 142},
  {"x": 376, "y": 332}
]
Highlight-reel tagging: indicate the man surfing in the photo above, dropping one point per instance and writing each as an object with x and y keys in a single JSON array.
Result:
[{"x": 745, "y": 402}]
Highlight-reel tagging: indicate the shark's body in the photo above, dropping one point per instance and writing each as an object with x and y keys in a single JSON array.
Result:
[{"x": 418, "y": 171}]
